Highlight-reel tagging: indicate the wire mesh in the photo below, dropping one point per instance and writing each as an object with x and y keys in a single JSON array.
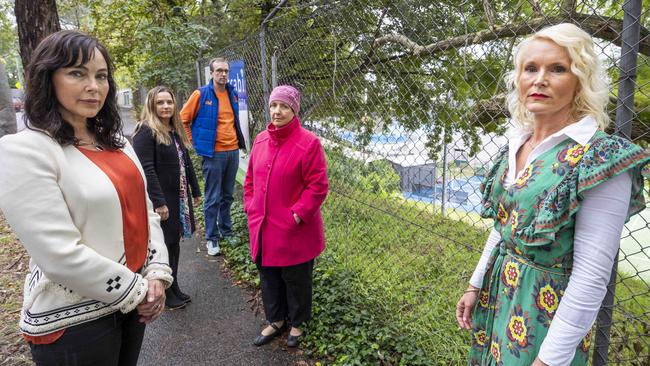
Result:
[{"x": 408, "y": 100}]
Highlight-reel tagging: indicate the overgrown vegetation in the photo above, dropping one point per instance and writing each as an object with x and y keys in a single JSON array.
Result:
[
  {"x": 386, "y": 287},
  {"x": 13, "y": 268}
]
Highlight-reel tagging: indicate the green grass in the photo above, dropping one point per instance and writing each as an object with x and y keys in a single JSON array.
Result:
[
  {"x": 413, "y": 265},
  {"x": 386, "y": 287}
]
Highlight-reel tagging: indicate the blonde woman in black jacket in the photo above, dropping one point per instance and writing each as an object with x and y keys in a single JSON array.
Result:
[{"x": 162, "y": 147}]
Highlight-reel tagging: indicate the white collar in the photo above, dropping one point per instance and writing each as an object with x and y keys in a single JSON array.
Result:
[{"x": 580, "y": 132}]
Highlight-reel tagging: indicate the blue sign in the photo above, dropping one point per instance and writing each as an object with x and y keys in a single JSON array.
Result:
[{"x": 238, "y": 81}]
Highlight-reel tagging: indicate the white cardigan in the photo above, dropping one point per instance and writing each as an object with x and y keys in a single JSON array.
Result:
[{"x": 67, "y": 214}]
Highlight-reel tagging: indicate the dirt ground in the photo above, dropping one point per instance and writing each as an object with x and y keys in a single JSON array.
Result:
[{"x": 13, "y": 268}]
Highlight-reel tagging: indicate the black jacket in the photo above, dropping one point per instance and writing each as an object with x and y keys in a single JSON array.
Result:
[{"x": 161, "y": 167}]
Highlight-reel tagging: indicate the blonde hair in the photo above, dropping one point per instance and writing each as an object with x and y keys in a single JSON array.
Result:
[
  {"x": 150, "y": 119},
  {"x": 592, "y": 95}
]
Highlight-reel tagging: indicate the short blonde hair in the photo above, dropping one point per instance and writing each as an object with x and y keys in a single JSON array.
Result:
[{"x": 592, "y": 96}]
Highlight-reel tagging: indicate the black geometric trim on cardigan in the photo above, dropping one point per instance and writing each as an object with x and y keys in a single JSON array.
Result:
[
  {"x": 36, "y": 276},
  {"x": 62, "y": 315},
  {"x": 126, "y": 292},
  {"x": 159, "y": 263},
  {"x": 58, "y": 310},
  {"x": 151, "y": 254}
]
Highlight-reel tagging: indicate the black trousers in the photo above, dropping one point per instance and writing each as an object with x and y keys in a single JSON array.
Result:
[
  {"x": 112, "y": 340},
  {"x": 174, "y": 252},
  {"x": 287, "y": 292}
]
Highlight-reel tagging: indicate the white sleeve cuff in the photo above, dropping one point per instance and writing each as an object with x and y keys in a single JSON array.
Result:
[{"x": 481, "y": 267}]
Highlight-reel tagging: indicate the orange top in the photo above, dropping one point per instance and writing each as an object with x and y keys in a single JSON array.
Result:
[
  {"x": 129, "y": 185},
  {"x": 227, "y": 136}
]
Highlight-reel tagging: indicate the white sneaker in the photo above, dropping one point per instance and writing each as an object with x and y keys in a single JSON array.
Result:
[{"x": 213, "y": 248}]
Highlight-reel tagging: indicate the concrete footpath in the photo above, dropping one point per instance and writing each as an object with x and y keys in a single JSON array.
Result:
[{"x": 216, "y": 328}]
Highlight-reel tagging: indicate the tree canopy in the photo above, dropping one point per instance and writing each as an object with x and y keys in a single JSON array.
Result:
[{"x": 364, "y": 64}]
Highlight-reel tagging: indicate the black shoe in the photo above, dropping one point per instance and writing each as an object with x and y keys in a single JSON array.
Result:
[
  {"x": 261, "y": 340},
  {"x": 293, "y": 341},
  {"x": 181, "y": 295},
  {"x": 172, "y": 302}
]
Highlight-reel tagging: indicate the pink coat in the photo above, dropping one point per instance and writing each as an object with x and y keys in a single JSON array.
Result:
[{"x": 287, "y": 174}]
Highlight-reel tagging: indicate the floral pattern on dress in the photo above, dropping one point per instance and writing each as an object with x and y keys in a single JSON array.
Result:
[
  {"x": 568, "y": 158},
  {"x": 585, "y": 344},
  {"x": 483, "y": 299},
  {"x": 572, "y": 154},
  {"x": 514, "y": 219},
  {"x": 519, "y": 331},
  {"x": 502, "y": 215},
  {"x": 528, "y": 175},
  {"x": 517, "y": 218},
  {"x": 495, "y": 350},
  {"x": 547, "y": 294},
  {"x": 535, "y": 255},
  {"x": 510, "y": 278},
  {"x": 480, "y": 338}
]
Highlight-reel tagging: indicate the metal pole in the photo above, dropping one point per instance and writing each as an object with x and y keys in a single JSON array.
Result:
[
  {"x": 274, "y": 70},
  {"x": 627, "y": 79},
  {"x": 265, "y": 84},
  {"x": 443, "y": 197},
  {"x": 435, "y": 185},
  {"x": 604, "y": 321},
  {"x": 198, "y": 73},
  {"x": 624, "y": 117}
]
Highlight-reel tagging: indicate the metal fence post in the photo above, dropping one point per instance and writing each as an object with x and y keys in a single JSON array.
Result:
[
  {"x": 445, "y": 167},
  {"x": 624, "y": 117},
  {"x": 265, "y": 85},
  {"x": 198, "y": 73},
  {"x": 274, "y": 70}
]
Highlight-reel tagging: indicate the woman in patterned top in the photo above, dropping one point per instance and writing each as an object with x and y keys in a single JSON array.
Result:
[
  {"x": 162, "y": 147},
  {"x": 73, "y": 191},
  {"x": 559, "y": 194}
]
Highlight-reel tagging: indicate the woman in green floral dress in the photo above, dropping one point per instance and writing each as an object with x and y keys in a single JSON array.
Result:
[{"x": 559, "y": 194}]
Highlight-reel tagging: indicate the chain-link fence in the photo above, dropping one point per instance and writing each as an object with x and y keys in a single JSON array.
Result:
[{"x": 408, "y": 99}]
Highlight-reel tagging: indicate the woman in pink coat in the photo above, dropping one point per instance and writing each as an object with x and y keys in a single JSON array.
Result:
[{"x": 286, "y": 184}]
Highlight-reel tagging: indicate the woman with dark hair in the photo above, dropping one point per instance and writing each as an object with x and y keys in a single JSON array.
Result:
[
  {"x": 73, "y": 191},
  {"x": 162, "y": 147},
  {"x": 286, "y": 184}
]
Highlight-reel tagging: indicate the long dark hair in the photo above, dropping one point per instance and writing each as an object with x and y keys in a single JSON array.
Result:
[{"x": 67, "y": 49}]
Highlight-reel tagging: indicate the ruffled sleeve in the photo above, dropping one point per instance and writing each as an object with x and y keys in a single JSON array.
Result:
[
  {"x": 611, "y": 157},
  {"x": 604, "y": 158},
  {"x": 490, "y": 183}
]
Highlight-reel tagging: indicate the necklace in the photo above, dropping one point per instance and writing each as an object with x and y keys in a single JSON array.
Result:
[{"x": 91, "y": 143}]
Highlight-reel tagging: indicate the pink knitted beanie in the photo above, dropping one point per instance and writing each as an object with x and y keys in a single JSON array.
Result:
[{"x": 287, "y": 94}]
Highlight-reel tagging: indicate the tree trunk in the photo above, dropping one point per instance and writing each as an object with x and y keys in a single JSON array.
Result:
[
  {"x": 7, "y": 114},
  {"x": 36, "y": 20}
]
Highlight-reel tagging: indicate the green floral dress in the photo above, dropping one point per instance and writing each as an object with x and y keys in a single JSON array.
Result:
[{"x": 529, "y": 269}]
